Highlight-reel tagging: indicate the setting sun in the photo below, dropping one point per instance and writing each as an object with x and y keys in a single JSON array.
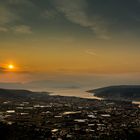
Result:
[{"x": 10, "y": 66}]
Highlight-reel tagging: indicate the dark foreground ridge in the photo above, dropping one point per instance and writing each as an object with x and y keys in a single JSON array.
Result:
[
  {"x": 126, "y": 92},
  {"x": 26, "y": 115}
]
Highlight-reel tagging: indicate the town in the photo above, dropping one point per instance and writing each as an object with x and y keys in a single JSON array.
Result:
[{"x": 58, "y": 118}]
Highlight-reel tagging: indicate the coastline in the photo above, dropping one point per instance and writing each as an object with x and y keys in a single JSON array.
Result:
[{"x": 80, "y": 94}]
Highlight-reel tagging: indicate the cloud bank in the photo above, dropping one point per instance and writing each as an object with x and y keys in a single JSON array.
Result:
[
  {"x": 10, "y": 20},
  {"x": 103, "y": 19},
  {"x": 76, "y": 12}
]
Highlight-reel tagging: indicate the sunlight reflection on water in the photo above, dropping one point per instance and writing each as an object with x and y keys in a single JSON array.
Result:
[{"x": 75, "y": 92}]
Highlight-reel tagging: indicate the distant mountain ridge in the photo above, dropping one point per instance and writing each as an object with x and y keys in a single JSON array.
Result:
[
  {"x": 126, "y": 92},
  {"x": 19, "y": 94}
]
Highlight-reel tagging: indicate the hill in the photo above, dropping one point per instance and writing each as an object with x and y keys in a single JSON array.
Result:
[
  {"x": 21, "y": 94},
  {"x": 125, "y": 92}
]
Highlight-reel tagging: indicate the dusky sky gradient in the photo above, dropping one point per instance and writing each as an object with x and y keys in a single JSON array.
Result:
[{"x": 70, "y": 43}]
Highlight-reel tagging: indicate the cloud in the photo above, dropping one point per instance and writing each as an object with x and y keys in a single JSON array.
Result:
[
  {"x": 49, "y": 14},
  {"x": 3, "y": 29},
  {"x": 2, "y": 69},
  {"x": 10, "y": 18},
  {"x": 23, "y": 3},
  {"x": 6, "y": 16},
  {"x": 76, "y": 12},
  {"x": 60, "y": 84},
  {"x": 18, "y": 2},
  {"x": 91, "y": 52},
  {"x": 22, "y": 29},
  {"x": 12, "y": 85},
  {"x": 24, "y": 72}
]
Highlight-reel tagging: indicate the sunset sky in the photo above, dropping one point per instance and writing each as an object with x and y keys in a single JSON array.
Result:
[{"x": 70, "y": 40}]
